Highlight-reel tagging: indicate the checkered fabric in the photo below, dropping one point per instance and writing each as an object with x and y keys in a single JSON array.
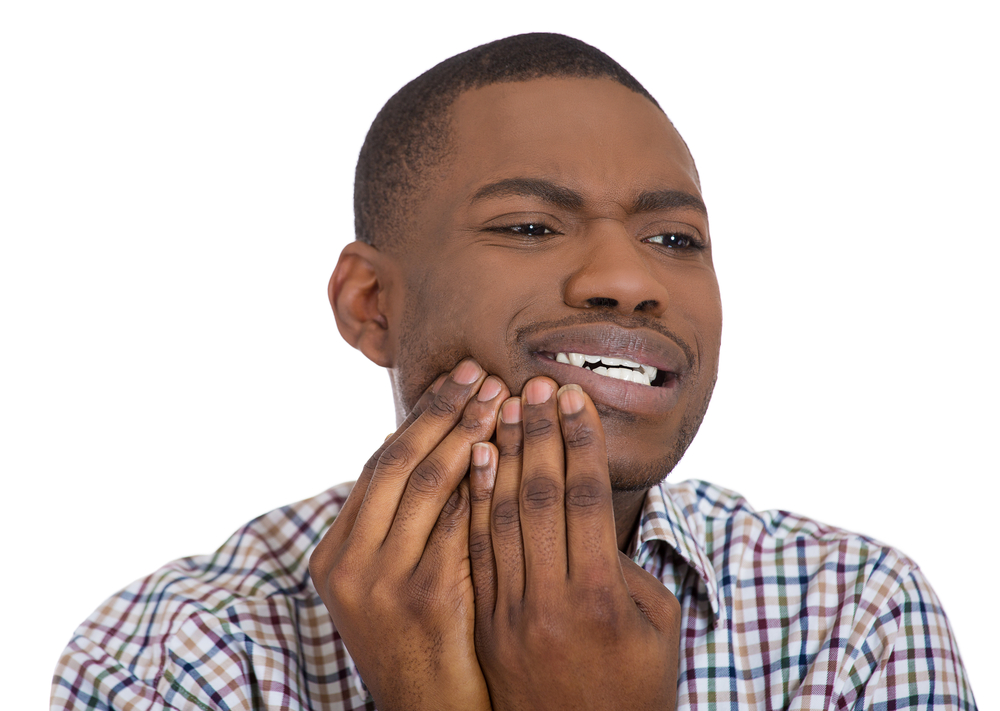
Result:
[{"x": 778, "y": 612}]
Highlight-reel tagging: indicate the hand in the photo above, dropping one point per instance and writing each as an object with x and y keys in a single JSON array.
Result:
[
  {"x": 394, "y": 570},
  {"x": 563, "y": 620}
]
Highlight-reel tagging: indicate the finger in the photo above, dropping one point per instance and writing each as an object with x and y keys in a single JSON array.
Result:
[
  {"x": 448, "y": 543},
  {"x": 591, "y": 540},
  {"x": 482, "y": 478},
  {"x": 433, "y": 479},
  {"x": 654, "y": 601},
  {"x": 543, "y": 520},
  {"x": 349, "y": 511},
  {"x": 505, "y": 516},
  {"x": 405, "y": 452}
]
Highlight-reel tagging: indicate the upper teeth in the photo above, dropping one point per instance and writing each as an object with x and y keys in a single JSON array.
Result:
[{"x": 610, "y": 366}]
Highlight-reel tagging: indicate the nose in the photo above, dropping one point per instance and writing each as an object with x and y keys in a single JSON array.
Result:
[{"x": 614, "y": 274}]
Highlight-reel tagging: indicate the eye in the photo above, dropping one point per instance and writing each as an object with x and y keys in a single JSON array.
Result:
[
  {"x": 531, "y": 229},
  {"x": 675, "y": 240},
  {"x": 525, "y": 229}
]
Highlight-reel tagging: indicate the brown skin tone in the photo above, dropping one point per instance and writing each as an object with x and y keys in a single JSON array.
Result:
[{"x": 598, "y": 246}]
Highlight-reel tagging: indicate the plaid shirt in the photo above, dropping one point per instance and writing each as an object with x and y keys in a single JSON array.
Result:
[{"x": 777, "y": 612}]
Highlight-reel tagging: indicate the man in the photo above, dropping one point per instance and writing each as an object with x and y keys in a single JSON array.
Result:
[{"x": 533, "y": 267}]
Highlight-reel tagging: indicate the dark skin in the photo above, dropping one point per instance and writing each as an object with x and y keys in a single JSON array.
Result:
[{"x": 568, "y": 219}]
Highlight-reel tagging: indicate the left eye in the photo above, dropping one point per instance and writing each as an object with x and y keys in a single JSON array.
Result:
[
  {"x": 530, "y": 229},
  {"x": 673, "y": 239}
]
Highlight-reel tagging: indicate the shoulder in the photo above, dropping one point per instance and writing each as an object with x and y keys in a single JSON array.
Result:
[
  {"x": 788, "y": 554},
  {"x": 197, "y": 619},
  {"x": 863, "y": 611},
  {"x": 724, "y": 520}
]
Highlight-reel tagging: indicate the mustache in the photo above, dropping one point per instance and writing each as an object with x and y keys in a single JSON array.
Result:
[{"x": 608, "y": 317}]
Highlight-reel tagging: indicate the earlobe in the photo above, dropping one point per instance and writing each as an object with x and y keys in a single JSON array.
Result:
[{"x": 358, "y": 296}]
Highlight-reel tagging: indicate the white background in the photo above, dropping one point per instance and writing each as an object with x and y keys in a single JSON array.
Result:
[{"x": 175, "y": 186}]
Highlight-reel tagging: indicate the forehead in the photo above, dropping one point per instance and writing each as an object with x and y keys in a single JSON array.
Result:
[{"x": 592, "y": 135}]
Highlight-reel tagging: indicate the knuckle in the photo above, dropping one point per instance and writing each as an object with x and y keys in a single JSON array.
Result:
[
  {"x": 383, "y": 594},
  {"x": 373, "y": 461},
  {"x": 397, "y": 456},
  {"x": 480, "y": 494},
  {"x": 586, "y": 494},
  {"x": 333, "y": 580},
  {"x": 539, "y": 428},
  {"x": 420, "y": 593},
  {"x": 510, "y": 450},
  {"x": 579, "y": 435},
  {"x": 480, "y": 545},
  {"x": 317, "y": 568},
  {"x": 472, "y": 422},
  {"x": 601, "y": 608},
  {"x": 454, "y": 509},
  {"x": 428, "y": 477},
  {"x": 506, "y": 516},
  {"x": 541, "y": 492},
  {"x": 442, "y": 408},
  {"x": 547, "y": 630}
]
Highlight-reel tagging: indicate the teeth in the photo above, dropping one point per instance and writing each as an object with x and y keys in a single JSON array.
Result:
[
  {"x": 633, "y": 372},
  {"x": 639, "y": 377}
]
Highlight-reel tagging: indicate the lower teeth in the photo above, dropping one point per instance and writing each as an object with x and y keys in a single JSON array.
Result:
[{"x": 627, "y": 374}]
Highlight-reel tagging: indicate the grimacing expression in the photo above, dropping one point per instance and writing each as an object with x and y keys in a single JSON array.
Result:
[{"x": 567, "y": 220}]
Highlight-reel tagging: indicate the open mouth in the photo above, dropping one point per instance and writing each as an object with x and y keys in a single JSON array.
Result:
[{"x": 617, "y": 368}]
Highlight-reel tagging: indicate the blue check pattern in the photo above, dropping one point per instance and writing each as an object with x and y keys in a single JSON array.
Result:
[{"x": 778, "y": 612}]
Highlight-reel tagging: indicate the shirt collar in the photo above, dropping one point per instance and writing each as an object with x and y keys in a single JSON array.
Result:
[{"x": 669, "y": 519}]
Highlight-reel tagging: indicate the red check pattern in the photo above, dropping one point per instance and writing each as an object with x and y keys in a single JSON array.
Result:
[{"x": 777, "y": 612}]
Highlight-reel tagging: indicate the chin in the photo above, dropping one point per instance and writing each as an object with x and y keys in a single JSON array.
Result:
[
  {"x": 632, "y": 469},
  {"x": 639, "y": 475}
]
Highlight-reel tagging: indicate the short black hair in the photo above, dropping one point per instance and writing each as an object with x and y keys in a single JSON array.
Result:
[{"x": 409, "y": 137}]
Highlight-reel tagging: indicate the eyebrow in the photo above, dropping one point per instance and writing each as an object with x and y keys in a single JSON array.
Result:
[
  {"x": 560, "y": 196},
  {"x": 653, "y": 200},
  {"x": 532, "y": 187}
]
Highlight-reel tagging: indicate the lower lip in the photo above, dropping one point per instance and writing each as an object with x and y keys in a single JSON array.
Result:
[{"x": 613, "y": 393}]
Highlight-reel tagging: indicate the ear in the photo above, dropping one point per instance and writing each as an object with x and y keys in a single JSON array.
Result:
[{"x": 359, "y": 297}]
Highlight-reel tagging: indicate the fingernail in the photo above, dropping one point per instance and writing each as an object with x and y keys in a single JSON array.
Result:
[
  {"x": 489, "y": 390},
  {"x": 480, "y": 454},
  {"x": 437, "y": 383},
  {"x": 570, "y": 399},
  {"x": 538, "y": 391},
  {"x": 510, "y": 413},
  {"x": 467, "y": 372}
]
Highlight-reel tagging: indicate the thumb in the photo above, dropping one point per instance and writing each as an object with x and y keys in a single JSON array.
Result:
[{"x": 654, "y": 601}]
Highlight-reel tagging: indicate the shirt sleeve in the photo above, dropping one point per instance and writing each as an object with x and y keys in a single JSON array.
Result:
[
  {"x": 910, "y": 658},
  {"x": 204, "y": 662},
  {"x": 87, "y": 677}
]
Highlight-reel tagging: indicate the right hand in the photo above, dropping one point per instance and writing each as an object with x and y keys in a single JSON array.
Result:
[{"x": 394, "y": 570}]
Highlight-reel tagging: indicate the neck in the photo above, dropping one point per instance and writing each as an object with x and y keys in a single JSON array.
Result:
[{"x": 628, "y": 506}]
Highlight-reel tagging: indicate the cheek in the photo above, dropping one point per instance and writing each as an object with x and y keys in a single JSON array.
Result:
[
  {"x": 697, "y": 299},
  {"x": 449, "y": 315},
  {"x": 453, "y": 314}
]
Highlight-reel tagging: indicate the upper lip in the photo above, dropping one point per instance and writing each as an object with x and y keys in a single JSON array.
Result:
[{"x": 606, "y": 339}]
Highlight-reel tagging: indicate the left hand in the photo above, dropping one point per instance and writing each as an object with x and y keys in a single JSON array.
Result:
[{"x": 563, "y": 621}]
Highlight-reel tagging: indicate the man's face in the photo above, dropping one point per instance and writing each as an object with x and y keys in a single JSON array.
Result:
[{"x": 567, "y": 222}]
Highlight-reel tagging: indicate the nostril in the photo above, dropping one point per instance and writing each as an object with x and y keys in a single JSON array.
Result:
[
  {"x": 598, "y": 301},
  {"x": 647, "y": 305}
]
